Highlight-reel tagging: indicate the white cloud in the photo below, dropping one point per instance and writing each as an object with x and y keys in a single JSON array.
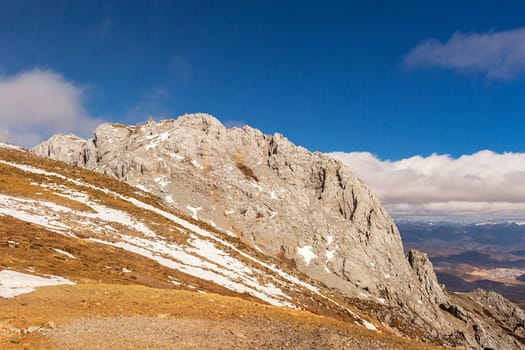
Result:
[
  {"x": 38, "y": 103},
  {"x": 498, "y": 55},
  {"x": 484, "y": 184}
]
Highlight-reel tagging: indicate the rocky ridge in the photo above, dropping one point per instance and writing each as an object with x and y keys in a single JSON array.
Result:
[{"x": 305, "y": 208}]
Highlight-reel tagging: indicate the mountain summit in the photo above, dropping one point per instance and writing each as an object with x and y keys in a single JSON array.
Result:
[{"x": 301, "y": 207}]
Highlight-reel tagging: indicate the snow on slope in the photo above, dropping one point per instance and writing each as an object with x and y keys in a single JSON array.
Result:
[
  {"x": 201, "y": 257},
  {"x": 14, "y": 283}
]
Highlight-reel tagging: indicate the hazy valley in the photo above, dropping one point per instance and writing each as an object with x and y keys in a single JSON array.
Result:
[{"x": 470, "y": 256}]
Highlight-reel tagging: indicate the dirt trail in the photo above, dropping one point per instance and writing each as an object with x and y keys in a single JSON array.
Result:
[
  {"x": 100, "y": 316},
  {"x": 155, "y": 333}
]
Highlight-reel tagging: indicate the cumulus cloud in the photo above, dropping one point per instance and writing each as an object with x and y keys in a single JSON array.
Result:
[
  {"x": 483, "y": 185},
  {"x": 498, "y": 55},
  {"x": 38, "y": 103}
]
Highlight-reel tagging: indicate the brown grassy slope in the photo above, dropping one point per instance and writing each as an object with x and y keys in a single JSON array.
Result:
[{"x": 25, "y": 246}]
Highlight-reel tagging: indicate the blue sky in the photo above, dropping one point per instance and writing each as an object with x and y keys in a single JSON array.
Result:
[
  {"x": 425, "y": 98},
  {"x": 330, "y": 75}
]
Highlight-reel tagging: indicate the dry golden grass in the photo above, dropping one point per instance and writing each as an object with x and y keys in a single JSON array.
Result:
[{"x": 60, "y": 304}]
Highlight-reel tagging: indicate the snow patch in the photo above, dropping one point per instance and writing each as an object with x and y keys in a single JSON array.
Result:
[
  {"x": 230, "y": 233},
  {"x": 363, "y": 295},
  {"x": 63, "y": 252},
  {"x": 161, "y": 181},
  {"x": 14, "y": 283},
  {"x": 257, "y": 187},
  {"x": 277, "y": 194},
  {"x": 152, "y": 145},
  {"x": 196, "y": 164},
  {"x": 143, "y": 188},
  {"x": 176, "y": 156},
  {"x": 307, "y": 253},
  {"x": 194, "y": 211},
  {"x": 369, "y": 325},
  {"x": 29, "y": 211}
]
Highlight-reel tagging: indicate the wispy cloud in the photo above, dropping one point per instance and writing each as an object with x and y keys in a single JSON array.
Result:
[
  {"x": 482, "y": 185},
  {"x": 234, "y": 123},
  {"x": 38, "y": 103},
  {"x": 497, "y": 55},
  {"x": 152, "y": 104}
]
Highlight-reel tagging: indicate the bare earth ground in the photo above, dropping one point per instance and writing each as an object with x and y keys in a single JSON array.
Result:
[{"x": 102, "y": 316}]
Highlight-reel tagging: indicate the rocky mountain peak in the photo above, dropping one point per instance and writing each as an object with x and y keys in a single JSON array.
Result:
[
  {"x": 304, "y": 208},
  {"x": 201, "y": 121}
]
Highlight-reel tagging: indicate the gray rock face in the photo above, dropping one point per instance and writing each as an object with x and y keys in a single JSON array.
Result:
[
  {"x": 504, "y": 311},
  {"x": 423, "y": 268},
  {"x": 66, "y": 148},
  {"x": 490, "y": 320},
  {"x": 303, "y": 207}
]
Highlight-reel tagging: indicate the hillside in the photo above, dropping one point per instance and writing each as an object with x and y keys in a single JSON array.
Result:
[
  {"x": 125, "y": 257},
  {"x": 188, "y": 204},
  {"x": 302, "y": 208}
]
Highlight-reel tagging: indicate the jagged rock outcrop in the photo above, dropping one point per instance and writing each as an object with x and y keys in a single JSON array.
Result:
[
  {"x": 504, "y": 311},
  {"x": 423, "y": 268},
  {"x": 303, "y": 207},
  {"x": 66, "y": 148}
]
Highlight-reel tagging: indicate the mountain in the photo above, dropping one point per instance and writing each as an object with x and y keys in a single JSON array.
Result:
[
  {"x": 105, "y": 249},
  {"x": 304, "y": 211}
]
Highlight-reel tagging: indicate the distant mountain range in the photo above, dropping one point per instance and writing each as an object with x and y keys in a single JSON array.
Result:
[{"x": 473, "y": 255}]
